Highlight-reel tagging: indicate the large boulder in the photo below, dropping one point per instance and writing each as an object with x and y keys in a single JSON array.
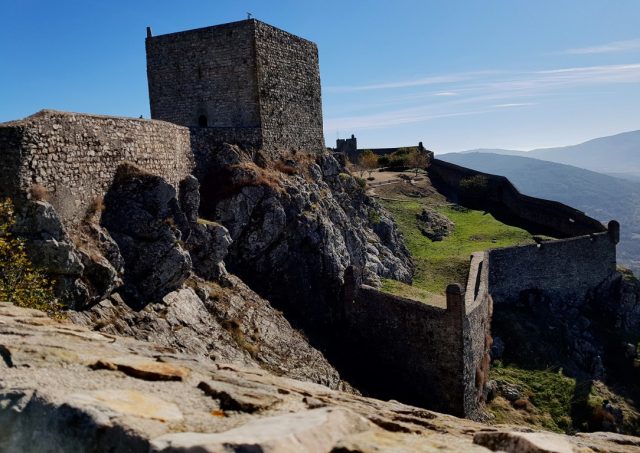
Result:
[{"x": 140, "y": 215}]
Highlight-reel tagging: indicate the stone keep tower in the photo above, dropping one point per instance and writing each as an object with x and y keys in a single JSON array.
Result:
[{"x": 243, "y": 82}]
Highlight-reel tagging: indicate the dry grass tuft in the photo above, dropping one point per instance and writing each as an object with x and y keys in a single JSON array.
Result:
[{"x": 39, "y": 192}]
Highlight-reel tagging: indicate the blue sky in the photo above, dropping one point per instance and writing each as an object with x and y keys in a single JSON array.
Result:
[{"x": 453, "y": 74}]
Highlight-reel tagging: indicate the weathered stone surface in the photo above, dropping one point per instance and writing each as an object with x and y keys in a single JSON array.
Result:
[
  {"x": 313, "y": 431},
  {"x": 224, "y": 323},
  {"x": 208, "y": 245},
  {"x": 142, "y": 368},
  {"x": 264, "y": 89},
  {"x": 434, "y": 225},
  {"x": 129, "y": 402},
  {"x": 140, "y": 218},
  {"x": 75, "y": 156},
  {"x": 52, "y": 400},
  {"x": 518, "y": 442}
]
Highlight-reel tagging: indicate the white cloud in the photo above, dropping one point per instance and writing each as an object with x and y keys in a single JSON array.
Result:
[
  {"x": 489, "y": 91},
  {"x": 612, "y": 47},
  {"x": 513, "y": 104},
  {"x": 432, "y": 80}
]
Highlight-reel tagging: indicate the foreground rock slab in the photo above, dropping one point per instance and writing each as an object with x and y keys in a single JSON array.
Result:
[{"x": 65, "y": 388}]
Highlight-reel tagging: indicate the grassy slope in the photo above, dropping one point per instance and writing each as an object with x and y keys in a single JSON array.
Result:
[
  {"x": 551, "y": 400},
  {"x": 558, "y": 403},
  {"x": 446, "y": 261}
]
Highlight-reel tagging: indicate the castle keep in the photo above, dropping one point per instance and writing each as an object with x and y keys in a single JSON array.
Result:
[{"x": 244, "y": 82}]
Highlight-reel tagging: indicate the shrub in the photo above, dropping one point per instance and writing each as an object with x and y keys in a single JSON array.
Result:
[
  {"x": 477, "y": 184},
  {"x": 361, "y": 182},
  {"x": 283, "y": 167},
  {"x": 374, "y": 217},
  {"x": 38, "y": 192},
  {"x": 20, "y": 282},
  {"x": 95, "y": 208}
]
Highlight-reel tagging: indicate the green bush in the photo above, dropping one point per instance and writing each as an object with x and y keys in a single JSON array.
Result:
[
  {"x": 20, "y": 282},
  {"x": 361, "y": 182},
  {"x": 374, "y": 217},
  {"x": 478, "y": 185}
]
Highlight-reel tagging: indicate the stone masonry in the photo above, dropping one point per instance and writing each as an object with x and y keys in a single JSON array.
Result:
[
  {"x": 248, "y": 81},
  {"x": 75, "y": 156}
]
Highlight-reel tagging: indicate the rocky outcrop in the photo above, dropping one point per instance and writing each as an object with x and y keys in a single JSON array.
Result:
[
  {"x": 297, "y": 225},
  {"x": 434, "y": 225},
  {"x": 65, "y": 388},
  {"x": 140, "y": 213},
  {"x": 227, "y": 323},
  {"x": 85, "y": 268}
]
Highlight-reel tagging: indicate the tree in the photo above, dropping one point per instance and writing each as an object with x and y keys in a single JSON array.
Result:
[
  {"x": 367, "y": 162},
  {"x": 21, "y": 283},
  {"x": 419, "y": 159}
]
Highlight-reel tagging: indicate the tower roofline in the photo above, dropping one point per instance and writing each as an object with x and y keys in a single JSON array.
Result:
[{"x": 229, "y": 25}]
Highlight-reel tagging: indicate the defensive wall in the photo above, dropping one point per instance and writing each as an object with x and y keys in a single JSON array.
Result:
[
  {"x": 349, "y": 148},
  {"x": 246, "y": 82},
  {"x": 497, "y": 195},
  {"x": 75, "y": 156},
  {"x": 434, "y": 357},
  {"x": 566, "y": 269},
  {"x": 439, "y": 357}
]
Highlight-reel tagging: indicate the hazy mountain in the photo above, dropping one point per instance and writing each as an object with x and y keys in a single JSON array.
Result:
[
  {"x": 618, "y": 155},
  {"x": 601, "y": 196}
]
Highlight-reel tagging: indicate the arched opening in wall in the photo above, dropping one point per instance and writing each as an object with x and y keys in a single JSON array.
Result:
[{"x": 202, "y": 121}]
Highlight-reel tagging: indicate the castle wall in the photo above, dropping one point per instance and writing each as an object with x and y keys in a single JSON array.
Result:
[
  {"x": 476, "y": 330},
  {"x": 75, "y": 156},
  {"x": 289, "y": 84},
  {"x": 563, "y": 269},
  {"x": 414, "y": 352},
  {"x": 497, "y": 195},
  {"x": 209, "y": 71}
]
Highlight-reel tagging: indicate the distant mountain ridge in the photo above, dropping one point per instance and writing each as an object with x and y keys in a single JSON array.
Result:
[
  {"x": 615, "y": 154},
  {"x": 601, "y": 196}
]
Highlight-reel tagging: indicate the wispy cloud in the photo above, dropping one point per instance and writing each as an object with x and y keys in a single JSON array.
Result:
[
  {"x": 432, "y": 80},
  {"x": 611, "y": 47},
  {"x": 513, "y": 104},
  {"x": 482, "y": 93}
]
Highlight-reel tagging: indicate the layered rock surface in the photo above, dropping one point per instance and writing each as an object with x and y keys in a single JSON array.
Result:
[
  {"x": 66, "y": 388},
  {"x": 227, "y": 323}
]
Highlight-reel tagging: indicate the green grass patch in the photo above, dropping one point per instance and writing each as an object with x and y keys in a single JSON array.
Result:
[
  {"x": 413, "y": 292},
  {"x": 441, "y": 263},
  {"x": 551, "y": 392}
]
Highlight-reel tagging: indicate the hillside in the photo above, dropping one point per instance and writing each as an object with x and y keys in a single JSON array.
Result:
[
  {"x": 618, "y": 155},
  {"x": 601, "y": 196}
]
